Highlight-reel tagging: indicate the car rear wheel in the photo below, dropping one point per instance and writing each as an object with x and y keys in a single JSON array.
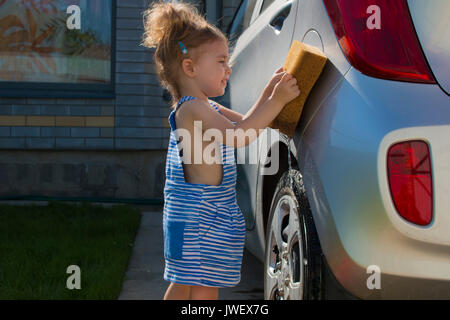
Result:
[{"x": 293, "y": 267}]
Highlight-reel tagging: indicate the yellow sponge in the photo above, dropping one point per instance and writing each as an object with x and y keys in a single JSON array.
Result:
[{"x": 305, "y": 63}]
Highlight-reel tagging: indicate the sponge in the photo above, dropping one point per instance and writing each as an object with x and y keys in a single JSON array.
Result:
[{"x": 305, "y": 63}]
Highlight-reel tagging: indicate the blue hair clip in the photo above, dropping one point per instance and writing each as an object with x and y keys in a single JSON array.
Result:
[{"x": 182, "y": 47}]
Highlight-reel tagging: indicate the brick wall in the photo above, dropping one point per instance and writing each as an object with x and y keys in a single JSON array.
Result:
[
  {"x": 56, "y": 123},
  {"x": 135, "y": 119},
  {"x": 141, "y": 113},
  {"x": 50, "y": 136}
]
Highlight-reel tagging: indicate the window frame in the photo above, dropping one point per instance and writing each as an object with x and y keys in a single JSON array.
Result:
[
  {"x": 261, "y": 11},
  {"x": 252, "y": 19},
  {"x": 13, "y": 89},
  {"x": 256, "y": 11}
]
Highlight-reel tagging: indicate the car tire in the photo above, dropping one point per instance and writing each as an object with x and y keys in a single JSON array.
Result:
[{"x": 293, "y": 267}]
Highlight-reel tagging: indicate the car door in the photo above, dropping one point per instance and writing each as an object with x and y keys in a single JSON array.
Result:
[
  {"x": 256, "y": 54},
  {"x": 260, "y": 50}
]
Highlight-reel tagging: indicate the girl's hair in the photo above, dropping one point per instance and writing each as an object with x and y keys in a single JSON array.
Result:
[{"x": 166, "y": 23}]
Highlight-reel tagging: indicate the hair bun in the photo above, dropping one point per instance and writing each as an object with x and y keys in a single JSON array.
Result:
[
  {"x": 167, "y": 23},
  {"x": 167, "y": 19}
]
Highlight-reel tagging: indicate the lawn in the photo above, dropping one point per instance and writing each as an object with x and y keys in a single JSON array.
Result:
[{"x": 39, "y": 243}]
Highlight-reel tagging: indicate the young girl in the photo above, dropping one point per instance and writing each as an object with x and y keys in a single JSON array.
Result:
[{"x": 204, "y": 229}]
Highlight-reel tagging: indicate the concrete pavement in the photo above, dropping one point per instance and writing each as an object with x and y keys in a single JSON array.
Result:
[{"x": 144, "y": 277}]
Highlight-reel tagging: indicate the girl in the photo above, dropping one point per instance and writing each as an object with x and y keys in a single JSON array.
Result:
[{"x": 204, "y": 229}]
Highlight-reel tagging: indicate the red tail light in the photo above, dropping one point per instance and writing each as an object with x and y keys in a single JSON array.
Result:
[
  {"x": 410, "y": 181},
  {"x": 391, "y": 51}
]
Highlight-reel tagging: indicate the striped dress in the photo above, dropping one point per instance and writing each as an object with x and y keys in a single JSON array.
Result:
[{"x": 204, "y": 228}]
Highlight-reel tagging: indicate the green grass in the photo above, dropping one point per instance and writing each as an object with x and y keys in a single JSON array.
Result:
[{"x": 39, "y": 243}]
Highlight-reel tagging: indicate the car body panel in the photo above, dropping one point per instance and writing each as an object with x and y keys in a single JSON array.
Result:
[
  {"x": 339, "y": 161},
  {"x": 347, "y": 124},
  {"x": 245, "y": 85},
  {"x": 333, "y": 72},
  {"x": 432, "y": 23}
]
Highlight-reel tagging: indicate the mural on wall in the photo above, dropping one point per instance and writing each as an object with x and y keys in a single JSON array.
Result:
[{"x": 37, "y": 45}]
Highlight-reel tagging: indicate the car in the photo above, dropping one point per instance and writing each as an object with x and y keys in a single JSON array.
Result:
[{"x": 359, "y": 206}]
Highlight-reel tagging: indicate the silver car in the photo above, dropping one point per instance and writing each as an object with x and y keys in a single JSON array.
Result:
[{"x": 359, "y": 206}]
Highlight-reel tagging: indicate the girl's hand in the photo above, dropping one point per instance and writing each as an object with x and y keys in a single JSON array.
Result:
[
  {"x": 286, "y": 89},
  {"x": 276, "y": 77}
]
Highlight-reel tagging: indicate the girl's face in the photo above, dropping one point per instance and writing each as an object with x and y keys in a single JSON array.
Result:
[{"x": 213, "y": 68}]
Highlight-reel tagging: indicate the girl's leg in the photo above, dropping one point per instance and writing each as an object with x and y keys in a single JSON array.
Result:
[
  {"x": 177, "y": 291},
  {"x": 204, "y": 293}
]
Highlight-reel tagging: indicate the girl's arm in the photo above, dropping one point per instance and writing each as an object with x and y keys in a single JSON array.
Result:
[
  {"x": 262, "y": 98},
  {"x": 236, "y": 116},
  {"x": 245, "y": 131},
  {"x": 268, "y": 89},
  {"x": 229, "y": 114},
  {"x": 203, "y": 116}
]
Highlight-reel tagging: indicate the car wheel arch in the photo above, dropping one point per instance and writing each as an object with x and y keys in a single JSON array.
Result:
[{"x": 269, "y": 182}]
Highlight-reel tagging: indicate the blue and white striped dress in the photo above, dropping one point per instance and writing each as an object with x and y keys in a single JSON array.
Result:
[{"x": 204, "y": 228}]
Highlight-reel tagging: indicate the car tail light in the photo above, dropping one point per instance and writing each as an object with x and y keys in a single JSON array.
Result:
[
  {"x": 410, "y": 181},
  {"x": 391, "y": 51}
]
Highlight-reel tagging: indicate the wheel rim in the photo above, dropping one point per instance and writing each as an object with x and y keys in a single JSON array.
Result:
[{"x": 284, "y": 272}]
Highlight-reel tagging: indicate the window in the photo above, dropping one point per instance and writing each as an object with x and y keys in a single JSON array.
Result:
[
  {"x": 57, "y": 48},
  {"x": 241, "y": 20},
  {"x": 201, "y": 6},
  {"x": 266, "y": 4}
]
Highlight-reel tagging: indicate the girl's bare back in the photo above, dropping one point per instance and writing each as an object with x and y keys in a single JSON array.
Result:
[{"x": 203, "y": 172}]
